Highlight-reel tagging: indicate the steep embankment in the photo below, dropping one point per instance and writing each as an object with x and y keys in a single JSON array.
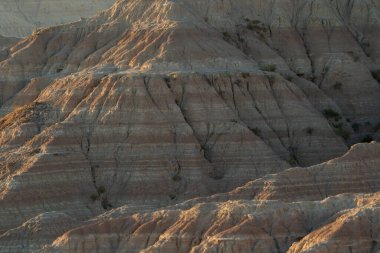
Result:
[
  {"x": 151, "y": 103},
  {"x": 237, "y": 222},
  {"x": 338, "y": 224}
]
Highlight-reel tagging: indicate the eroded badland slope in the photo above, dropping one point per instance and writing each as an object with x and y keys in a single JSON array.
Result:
[{"x": 194, "y": 126}]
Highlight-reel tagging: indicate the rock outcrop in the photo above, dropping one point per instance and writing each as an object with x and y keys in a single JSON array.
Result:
[
  {"x": 339, "y": 224},
  {"x": 355, "y": 172},
  {"x": 229, "y": 223},
  {"x": 152, "y": 103}
]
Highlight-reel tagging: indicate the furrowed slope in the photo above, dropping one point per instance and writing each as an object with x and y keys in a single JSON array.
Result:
[
  {"x": 236, "y": 223},
  {"x": 151, "y": 103}
]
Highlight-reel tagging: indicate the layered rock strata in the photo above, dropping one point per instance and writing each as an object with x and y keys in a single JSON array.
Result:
[
  {"x": 151, "y": 103},
  {"x": 344, "y": 223}
]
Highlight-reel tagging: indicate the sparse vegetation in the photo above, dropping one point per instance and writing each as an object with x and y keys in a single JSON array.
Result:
[
  {"x": 269, "y": 68},
  {"x": 299, "y": 74},
  {"x": 237, "y": 82},
  {"x": 105, "y": 204},
  {"x": 376, "y": 75},
  {"x": 377, "y": 127},
  {"x": 355, "y": 127},
  {"x": 343, "y": 133},
  {"x": 337, "y": 125},
  {"x": 227, "y": 36},
  {"x": 331, "y": 114},
  {"x": 293, "y": 160},
  {"x": 167, "y": 79},
  {"x": 329, "y": 28},
  {"x": 338, "y": 86},
  {"x": 245, "y": 75},
  {"x": 289, "y": 78},
  {"x": 257, "y": 26},
  {"x": 256, "y": 131},
  {"x": 176, "y": 178},
  {"x": 335, "y": 119},
  {"x": 94, "y": 197},
  {"x": 309, "y": 130},
  {"x": 100, "y": 191},
  {"x": 355, "y": 57},
  {"x": 367, "y": 139},
  {"x": 216, "y": 175},
  {"x": 312, "y": 78},
  {"x": 357, "y": 26}
]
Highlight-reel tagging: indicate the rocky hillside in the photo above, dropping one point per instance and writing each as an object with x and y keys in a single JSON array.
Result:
[
  {"x": 116, "y": 130},
  {"x": 19, "y": 17}
]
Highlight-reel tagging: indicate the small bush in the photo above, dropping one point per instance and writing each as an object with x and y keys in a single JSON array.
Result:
[
  {"x": 356, "y": 127},
  {"x": 338, "y": 86},
  {"x": 331, "y": 114},
  {"x": 289, "y": 78},
  {"x": 106, "y": 204},
  {"x": 227, "y": 36},
  {"x": 312, "y": 78},
  {"x": 343, "y": 133},
  {"x": 94, "y": 197},
  {"x": 269, "y": 68},
  {"x": 167, "y": 79},
  {"x": 376, "y": 74},
  {"x": 257, "y": 26},
  {"x": 256, "y": 131},
  {"x": 355, "y": 57},
  {"x": 377, "y": 127},
  {"x": 309, "y": 130},
  {"x": 337, "y": 125},
  {"x": 368, "y": 139},
  {"x": 101, "y": 190},
  {"x": 245, "y": 75},
  {"x": 176, "y": 178},
  {"x": 237, "y": 82},
  {"x": 292, "y": 161}
]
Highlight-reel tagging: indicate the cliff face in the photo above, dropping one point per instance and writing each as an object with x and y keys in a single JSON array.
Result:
[{"x": 151, "y": 103}]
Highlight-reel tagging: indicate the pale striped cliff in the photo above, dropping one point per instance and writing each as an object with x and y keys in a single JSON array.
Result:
[{"x": 168, "y": 112}]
